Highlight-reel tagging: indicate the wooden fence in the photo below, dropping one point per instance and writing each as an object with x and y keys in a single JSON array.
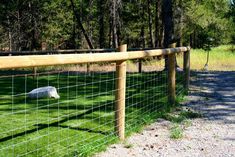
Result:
[{"x": 12, "y": 62}]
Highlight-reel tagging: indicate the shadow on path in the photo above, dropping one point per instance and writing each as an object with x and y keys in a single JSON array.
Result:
[{"x": 213, "y": 93}]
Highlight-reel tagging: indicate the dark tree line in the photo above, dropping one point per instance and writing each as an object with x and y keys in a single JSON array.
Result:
[{"x": 69, "y": 24}]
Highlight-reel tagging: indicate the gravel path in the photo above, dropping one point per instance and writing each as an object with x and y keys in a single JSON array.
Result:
[{"x": 213, "y": 94}]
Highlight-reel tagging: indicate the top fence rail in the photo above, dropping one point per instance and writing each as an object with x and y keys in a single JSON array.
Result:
[
  {"x": 7, "y": 62},
  {"x": 71, "y": 51}
]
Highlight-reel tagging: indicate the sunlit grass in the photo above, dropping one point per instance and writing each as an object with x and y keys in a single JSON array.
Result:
[
  {"x": 220, "y": 59},
  {"x": 81, "y": 122},
  {"x": 176, "y": 132}
]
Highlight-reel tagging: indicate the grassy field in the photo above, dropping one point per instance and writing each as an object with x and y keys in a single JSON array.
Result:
[
  {"x": 81, "y": 122},
  {"x": 221, "y": 59}
]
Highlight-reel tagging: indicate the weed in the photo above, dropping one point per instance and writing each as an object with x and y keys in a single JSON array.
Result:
[
  {"x": 181, "y": 120},
  {"x": 187, "y": 123},
  {"x": 190, "y": 114},
  {"x": 127, "y": 145},
  {"x": 176, "y": 132}
]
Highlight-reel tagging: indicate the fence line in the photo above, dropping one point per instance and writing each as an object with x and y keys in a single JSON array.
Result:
[
  {"x": 11, "y": 62},
  {"x": 70, "y": 51},
  {"x": 7, "y": 62}
]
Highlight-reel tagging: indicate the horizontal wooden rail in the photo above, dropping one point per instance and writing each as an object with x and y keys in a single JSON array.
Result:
[
  {"x": 7, "y": 62},
  {"x": 72, "y": 51}
]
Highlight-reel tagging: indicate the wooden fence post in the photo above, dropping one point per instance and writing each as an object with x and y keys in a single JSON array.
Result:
[
  {"x": 88, "y": 67},
  {"x": 171, "y": 76},
  {"x": 186, "y": 70},
  {"x": 140, "y": 65},
  {"x": 34, "y": 72},
  {"x": 120, "y": 95}
]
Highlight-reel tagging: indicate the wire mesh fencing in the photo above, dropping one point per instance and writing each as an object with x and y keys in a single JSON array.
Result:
[
  {"x": 81, "y": 122},
  {"x": 82, "y": 117},
  {"x": 180, "y": 75}
]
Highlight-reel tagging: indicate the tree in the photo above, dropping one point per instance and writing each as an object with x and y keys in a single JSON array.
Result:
[
  {"x": 150, "y": 23},
  {"x": 100, "y": 6},
  {"x": 22, "y": 19},
  {"x": 178, "y": 21},
  {"x": 26, "y": 24},
  {"x": 168, "y": 21},
  {"x": 115, "y": 21},
  {"x": 207, "y": 19},
  {"x": 158, "y": 24}
]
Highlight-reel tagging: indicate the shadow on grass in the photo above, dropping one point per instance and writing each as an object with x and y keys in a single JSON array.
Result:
[
  {"x": 55, "y": 124},
  {"x": 83, "y": 97}
]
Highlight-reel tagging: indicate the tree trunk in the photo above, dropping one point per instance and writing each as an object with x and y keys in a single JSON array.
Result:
[
  {"x": 150, "y": 23},
  {"x": 9, "y": 34},
  {"x": 100, "y": 6},
  {"x": 142, "y": 36},
  {"x": 191, "y": 40},
  {"x": 76, "y": 13},
  {"x": 18, "y": 45},
  {"x": 168, "y": 24},
  {"x": 115, "y": 36},
  {"x": 114, "y": 18},
  {"x": 181, "y": 24},
  {"x": 73, "y": 38},
  {"x": 115, "y": 21},
  {"x": 167, "y": 21},
  {"x": 33, "y": 41},
  {"x": 143, "y": 27},
  {"x": 158, "y": 24},
  {"x": 110, "y": 32},
  {"x": 90, "y": 18},
  {"x": 10, "y": 40},
  {"x": 141, "y": 13}
]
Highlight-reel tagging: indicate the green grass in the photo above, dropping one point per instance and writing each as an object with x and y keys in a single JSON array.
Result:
[
  {"x": 176, "y": 132},
  {"x": 180, "y": 119},
  {"x": 221, "y": 59},
  {"x": 81, "y": 122}
]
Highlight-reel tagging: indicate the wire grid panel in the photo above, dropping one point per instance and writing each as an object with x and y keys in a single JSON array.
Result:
[
  {"x": 146, "y": 94},
  {"x": 180, "y": 90},
  {"x": 81, "y": 122}
]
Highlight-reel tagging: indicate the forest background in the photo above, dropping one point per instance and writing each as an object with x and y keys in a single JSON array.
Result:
[{"x": 60, "y": 24}]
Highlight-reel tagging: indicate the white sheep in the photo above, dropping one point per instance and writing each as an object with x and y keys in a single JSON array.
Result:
[{"x": 44, "y": 92}]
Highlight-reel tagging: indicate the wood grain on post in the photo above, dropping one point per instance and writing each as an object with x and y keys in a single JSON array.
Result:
[
  {"x": 120, "y": 95},
  {"x": 186, "y": 70},
  {"x": 171, "y": 76}
]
